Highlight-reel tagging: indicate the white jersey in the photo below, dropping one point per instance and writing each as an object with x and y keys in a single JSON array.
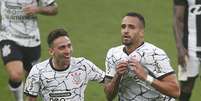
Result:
[
  {"x": 17, "y": 26},
  {"x": 192, "y": 26},
  {"x": 65, "y": 85},
  {"x": 131, "y": 88}
]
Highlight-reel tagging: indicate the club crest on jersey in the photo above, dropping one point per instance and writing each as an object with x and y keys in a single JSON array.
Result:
[
  {"x": 76, "y": 78},
  {"x": 6, "y": 50}
]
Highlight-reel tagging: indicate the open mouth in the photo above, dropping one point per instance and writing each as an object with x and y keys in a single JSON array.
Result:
[
  {"x": 67, "y": 57},
  {"x": 126, "y": 37}
]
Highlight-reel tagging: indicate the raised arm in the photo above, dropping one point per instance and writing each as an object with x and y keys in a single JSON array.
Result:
[
  {"x": 111, "y": 86},
  {"x": 167, "y": 84}
]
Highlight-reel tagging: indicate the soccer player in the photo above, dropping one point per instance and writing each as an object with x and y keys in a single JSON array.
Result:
[
  {"x": 20, "y": 38},
  {"x": 61, "y": 77},
  {"x": 187, "y": 29},
  {"x": 138, "y": 70}
]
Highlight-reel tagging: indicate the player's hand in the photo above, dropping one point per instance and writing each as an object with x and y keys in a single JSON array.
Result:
[
  {"x": 30, "y": 10},
  {"x": 182, "y": 57},
  {"x": 138, "y": 69},
  {"x": 121, "y": 68}
]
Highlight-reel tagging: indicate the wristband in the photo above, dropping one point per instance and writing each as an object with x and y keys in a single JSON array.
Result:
[{"x": 150, "y": 79}]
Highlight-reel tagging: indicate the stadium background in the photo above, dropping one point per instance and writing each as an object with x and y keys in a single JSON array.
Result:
[{"x": 94, "y": 27}]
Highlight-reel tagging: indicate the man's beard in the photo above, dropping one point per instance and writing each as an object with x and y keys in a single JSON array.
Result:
[{"x": 126, "y": 43}]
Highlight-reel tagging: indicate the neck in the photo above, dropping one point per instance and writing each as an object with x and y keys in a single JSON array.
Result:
[
  {"x": 59, "y": 65},
  {"x": 130, "y": 48}
]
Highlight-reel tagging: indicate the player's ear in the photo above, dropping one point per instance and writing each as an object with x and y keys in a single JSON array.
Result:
[
  {"x": 50, "y": 50},
  {"x": 142, "y": 33},
  {"x": 71, "y": 49}
]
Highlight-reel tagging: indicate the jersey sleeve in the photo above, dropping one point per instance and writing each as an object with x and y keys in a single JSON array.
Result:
[
  {"x": 157, "y": 63},
  {"x": 32, "y": 83},
  {"x": 180, "y": 2},
  {"x": 47, "y": 2},
  {"x": 94, "y": 73},
  {"x": 110, "y": 64}
]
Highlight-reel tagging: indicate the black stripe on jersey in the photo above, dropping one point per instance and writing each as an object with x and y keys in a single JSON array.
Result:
[
  {"x": 163, "y": 76},
  {"x": 198, "y": 54},
  {"x": 185, "y": 34},
  {"x": 198, "y": 25},
  {"x": 30, "y": 94},
  {"x": 108, "y": 77}
]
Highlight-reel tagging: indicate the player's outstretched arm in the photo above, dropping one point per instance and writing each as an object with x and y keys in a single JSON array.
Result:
[{"x": 47, "y": 10}]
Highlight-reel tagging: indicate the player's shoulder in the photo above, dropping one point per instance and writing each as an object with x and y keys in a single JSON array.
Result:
[
  {"x": 76, "y": 60},
  {"x": 42, "y": 64},
  {"x": 151, "y": 48},
  {"x": 116, "y": 49}
]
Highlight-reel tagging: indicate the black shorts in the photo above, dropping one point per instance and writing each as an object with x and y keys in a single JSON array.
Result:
[{"x": 11, "y": 51}]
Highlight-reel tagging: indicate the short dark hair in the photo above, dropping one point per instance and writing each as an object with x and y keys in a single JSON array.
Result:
[
  {"x": 55, "y": 34},
  {"x": 138, "y": 15}
]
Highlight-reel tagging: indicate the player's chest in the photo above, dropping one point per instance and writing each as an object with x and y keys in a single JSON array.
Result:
[{"x": 70, "y": 80}]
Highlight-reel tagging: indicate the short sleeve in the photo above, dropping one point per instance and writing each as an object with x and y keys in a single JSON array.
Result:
[
  {"x": 180, "y": 2},
  {"x": 32, "y": 83},
  {"x": 94, "y": 73},
  {"x": 47, "y": 2},
  {"x": 157, "y": 63},
  {"x": 110, "y": 64}
]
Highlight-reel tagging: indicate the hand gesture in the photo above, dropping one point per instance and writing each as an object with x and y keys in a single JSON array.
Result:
[
  {"x": 138, "y": 69},
  {"x": 121, "y": 68}
]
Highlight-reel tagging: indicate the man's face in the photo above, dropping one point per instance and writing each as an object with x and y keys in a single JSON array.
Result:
[
  {"x": 132, "y": 30},
  {"x": 61, "y": 50}
]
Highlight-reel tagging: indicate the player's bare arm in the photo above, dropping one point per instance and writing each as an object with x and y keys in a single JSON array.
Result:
[
  {"x": 48, "y": 10},
  {"x": 168, "y": 85},
  {"x": 179, "y": 11},
  {"x": 31, "y": 98},
  {"x": 112, "y": 84}
]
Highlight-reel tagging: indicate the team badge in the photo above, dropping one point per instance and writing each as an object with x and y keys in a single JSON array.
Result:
[
  {"x": 76, "y": 78},
  {"x": 6, "y": 50}
]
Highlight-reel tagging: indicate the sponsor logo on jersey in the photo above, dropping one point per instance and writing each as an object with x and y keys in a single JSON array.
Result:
[
  {"x": 196, "y": 10},
  {"x": 65, "y": 94},
  {"x": 58, "y": 99},
  {"x": 59, "y": 96}
]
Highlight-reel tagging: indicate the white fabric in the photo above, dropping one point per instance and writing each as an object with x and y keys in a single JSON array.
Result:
[
  {"x": 155, "y": 61},
  {"x": 17, "y": 26},
  {"x": 191, "y": 69},
  {"x": 192, "y": 28},
  {"x": 18, "y": 92},
  {"x": 66, "y": 85}
]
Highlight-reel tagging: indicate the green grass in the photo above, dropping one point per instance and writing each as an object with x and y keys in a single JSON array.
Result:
[{"x": 94, "y": 27}]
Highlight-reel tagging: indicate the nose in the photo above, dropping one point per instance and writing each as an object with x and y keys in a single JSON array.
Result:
[
  {"x": 125, "y": 30},
  {"x": 67, "y": 50}
]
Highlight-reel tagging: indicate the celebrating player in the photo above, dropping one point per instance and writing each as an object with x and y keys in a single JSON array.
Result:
[
  {"x": 20, "y": 38},
  {"x": 138, "y": 70},
  {"x": 62, "y": 77}
]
